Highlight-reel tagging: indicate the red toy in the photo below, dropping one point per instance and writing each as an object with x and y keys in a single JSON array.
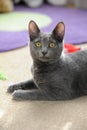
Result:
[{"x": 71, "y": 48}]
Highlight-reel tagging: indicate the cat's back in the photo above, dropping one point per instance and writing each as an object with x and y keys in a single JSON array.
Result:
[
  {"x": 79, "y": 57},
  {"x": 73, "y": 63},
  {"x": 76, "y": 63}
]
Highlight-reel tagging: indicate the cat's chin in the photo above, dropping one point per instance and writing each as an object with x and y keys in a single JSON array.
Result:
[{"x": 45, "y": 59}]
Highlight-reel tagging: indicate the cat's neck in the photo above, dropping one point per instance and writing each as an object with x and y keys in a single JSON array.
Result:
[
  {"x": 41, "y": 63},
  {"x": 42, "y": 67}
]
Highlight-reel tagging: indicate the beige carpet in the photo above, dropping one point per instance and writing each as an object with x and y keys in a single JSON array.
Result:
[{"x": 35, "y": 115}]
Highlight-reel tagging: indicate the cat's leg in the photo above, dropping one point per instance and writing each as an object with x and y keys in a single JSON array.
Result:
[
  {"x": 23, "y": 85},
  {"x": 36, "y": 94}
]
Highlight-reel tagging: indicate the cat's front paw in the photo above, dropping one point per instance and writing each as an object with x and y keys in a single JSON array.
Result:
[
  {"x": 11, "y": 88},
  {"x": 17, "y": 95}
]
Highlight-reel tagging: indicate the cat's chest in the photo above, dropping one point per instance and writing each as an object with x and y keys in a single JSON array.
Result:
[{"x": 42, "y": 76}]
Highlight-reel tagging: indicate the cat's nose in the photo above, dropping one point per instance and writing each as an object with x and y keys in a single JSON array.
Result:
[{"x": 44, "y": 53}]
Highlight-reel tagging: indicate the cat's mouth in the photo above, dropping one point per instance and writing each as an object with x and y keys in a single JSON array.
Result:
[{"x": 44, "y": 58}]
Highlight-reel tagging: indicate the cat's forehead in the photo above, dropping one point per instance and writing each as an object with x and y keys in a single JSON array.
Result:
[{"x": 45, "y": 36}]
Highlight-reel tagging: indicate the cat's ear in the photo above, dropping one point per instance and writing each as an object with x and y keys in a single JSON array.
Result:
[
  {"x": 59, "y": 31},
  {"x": 33, "y": 30}
]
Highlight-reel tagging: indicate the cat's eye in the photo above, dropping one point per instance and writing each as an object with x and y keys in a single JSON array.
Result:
[
  {"x": 38, "y": 44},
  {"x": 52, "y": 45}
]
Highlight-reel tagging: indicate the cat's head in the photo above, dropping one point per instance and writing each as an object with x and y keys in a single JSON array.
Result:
[{"x": 46, "y": 47}]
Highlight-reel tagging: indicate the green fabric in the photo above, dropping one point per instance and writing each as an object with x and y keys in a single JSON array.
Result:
[
  {"x": 3, "y": 76},
  {"x": 18, "y": 21}
]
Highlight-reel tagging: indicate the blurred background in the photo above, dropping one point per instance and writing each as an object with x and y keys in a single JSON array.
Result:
[{"x": 16, "y": 14}]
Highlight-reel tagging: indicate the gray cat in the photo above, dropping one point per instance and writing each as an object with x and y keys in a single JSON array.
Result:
[{"x": 56, "y": 75}]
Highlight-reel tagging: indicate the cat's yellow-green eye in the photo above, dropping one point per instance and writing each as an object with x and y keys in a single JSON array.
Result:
[
  {"x": 38, "y": 44},
  {"x": 52, "y": 45}
]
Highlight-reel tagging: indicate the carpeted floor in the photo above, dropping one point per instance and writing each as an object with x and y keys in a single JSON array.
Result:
[{"x": 35, "y": 115}]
